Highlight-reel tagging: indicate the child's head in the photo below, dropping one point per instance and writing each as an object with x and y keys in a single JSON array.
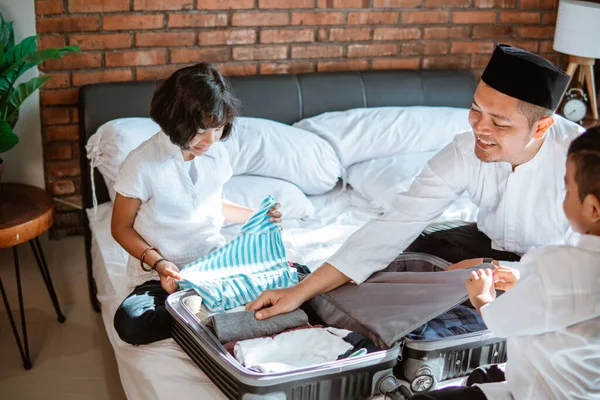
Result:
[
  {"x": 582, "y": 201},
  {"x": 194, "y": 107}
]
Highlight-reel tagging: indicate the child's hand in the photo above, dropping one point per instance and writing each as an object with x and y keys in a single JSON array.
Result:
[
  {"x": 480, "y": 288},
  {"x": 275, "y": 215},
  {"x": 169, "y": 275},
  {"x": 505, "y": 278}
]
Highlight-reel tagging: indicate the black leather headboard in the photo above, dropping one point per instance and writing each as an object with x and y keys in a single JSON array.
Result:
[{"x": 284, "y": 98}]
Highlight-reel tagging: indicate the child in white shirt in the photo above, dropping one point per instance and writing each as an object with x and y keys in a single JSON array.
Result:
[{"x": 551, "y": 316}]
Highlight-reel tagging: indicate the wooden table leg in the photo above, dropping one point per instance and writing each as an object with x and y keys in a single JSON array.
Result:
[
  {"x": 589, "y": 77},
  {"x": 571, "y": 69}
]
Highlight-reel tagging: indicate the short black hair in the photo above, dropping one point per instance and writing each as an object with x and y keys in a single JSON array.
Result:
[
  {"x": 193, "y": 98},
  {"x": 584, "y": 151},
  {"x": 532, "y": 112}
]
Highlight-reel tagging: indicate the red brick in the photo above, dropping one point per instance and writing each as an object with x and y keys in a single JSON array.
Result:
[
  {"x": 537, "y": 32},
  {"x": 58, "y": 80},
  {"x": 63, "y": 169},
  {"x": 101, "y": 42},
  {"x": 447, "y": 3},
  {"x": 165, "y": 39},
  {"x": 495, "y": 3},
  {"x": 61, "y": 133},
  {"x": 286, "y": 3},
  {"x": 59, "y": 97},
  {"x": 396, "y": 63},
  {"x": 454, "y": 32},
  {"x": 152, "y": 73},
  {"x": 47, "y": 41},
  {"x": 68, "y": 24},
  {"x": 74, "y": 115},
  {"x": 396, "y": 34},
  {"x": 107, "y": 75},
  {"x": 474, "y": 17},
  {"x": 56, "y": 116},
  {"x": 546, "y": 46},
  {"x": 287, "y": 36},
  {"x": 238, "y": 69},
  {"x": 529, "y": 45},
  {"x": 88, "y": 6},
  {"x": 260, "y": 19},
  {"x": 345, "y": 65},
  {"x": 152, "y": 5},
  {"x": 344, "y": 34},
  {"x": 396, "y": 3},
  {"x": 61, "y": 187},
  {"x": 45, "y": 7},
  {"x": 317, "y": 51},
  {"x": 224, "y": 4},
  {"x": 478, "y": 61},
  {"x": 133, "y": 58},
  {"x": 424, "y": 48},
  {"x": 472, "y": 47},
  {"x": 372, "y": 50},
  {"x": 520, "y": 17},
  {"x": 184, "y": 56},
  {"x": 343, "y": 3},
  {"x": 73, "y": 61},
  {"x": 126, "y": 22},
  {"x": 59, "y": 152},
  {"x": 373, "y": 18},
  {"x": 445, "y": 62},
  {"x": 549, "y": 18},
  {"x": 425, "y": 17},
  {"x": 539, "y": 4},
  {"x": 492, "y": 31},
  {"x": 287, "y": 68},
  {"x": 317, "y": 18},
  {"x": 197, "y": 20},
  {"x": 239, "y": 36},
  {"x": 259, "y": 53}
]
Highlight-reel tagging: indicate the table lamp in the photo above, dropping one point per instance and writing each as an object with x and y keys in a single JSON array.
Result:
[{"x": 578, "y": 35}]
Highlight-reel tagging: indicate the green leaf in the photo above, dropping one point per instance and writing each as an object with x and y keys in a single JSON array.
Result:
[
  {"x": 8, "y": 139},
  {"x": 22, "y": 92},
  {"x": 23, "y": 49},
  {"x": 40, "y": 56}
]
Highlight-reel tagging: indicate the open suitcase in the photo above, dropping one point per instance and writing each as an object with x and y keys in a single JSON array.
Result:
[{"x": 386, "y": 308}]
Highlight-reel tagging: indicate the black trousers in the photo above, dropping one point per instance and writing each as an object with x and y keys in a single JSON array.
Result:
[{"x": 456, "y": 241}]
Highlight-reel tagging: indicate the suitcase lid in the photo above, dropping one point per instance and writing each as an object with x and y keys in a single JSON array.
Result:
[{"x": 390, "y": 305}]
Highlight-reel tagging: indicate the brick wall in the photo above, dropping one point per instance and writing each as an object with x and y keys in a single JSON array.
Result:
[{"x": 148, "y": 39}]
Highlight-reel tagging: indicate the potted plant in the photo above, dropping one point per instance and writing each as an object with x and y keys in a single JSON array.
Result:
[{"x": 14, "y": 61}]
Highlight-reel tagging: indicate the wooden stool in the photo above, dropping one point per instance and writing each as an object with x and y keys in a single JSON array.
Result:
[
  {"x": 25, "y": 213},
  {"x": 586, "y": 75}
]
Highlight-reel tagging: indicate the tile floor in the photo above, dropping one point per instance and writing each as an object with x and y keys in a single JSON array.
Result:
[{"x": 71, "y": 361}]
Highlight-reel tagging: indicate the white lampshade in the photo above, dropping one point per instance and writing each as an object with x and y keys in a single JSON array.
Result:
[{"x": 578, "y": 29}]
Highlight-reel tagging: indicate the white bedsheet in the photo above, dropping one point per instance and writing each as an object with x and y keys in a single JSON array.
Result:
[{"x": 162, "y": 370}]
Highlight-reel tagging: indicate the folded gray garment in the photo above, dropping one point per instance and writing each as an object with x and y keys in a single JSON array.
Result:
[{"x": 233, "y": 327}]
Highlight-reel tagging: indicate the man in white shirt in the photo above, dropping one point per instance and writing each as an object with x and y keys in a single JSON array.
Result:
[
  {"x": 511, "y": 163},
  {"x": 551, "y": 317}
]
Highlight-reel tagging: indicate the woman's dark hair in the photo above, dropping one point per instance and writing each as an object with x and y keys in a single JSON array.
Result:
[
  {"x": 193, "y": 98},
  {"x": 584, "y": 151}
]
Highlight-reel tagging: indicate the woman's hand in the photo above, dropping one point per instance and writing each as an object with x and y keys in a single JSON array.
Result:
[
  {"x": 276, "y": 216},
  {"x": 169, "y": 275},
  {"x": 480, "y": 288},
  {"x": 505, "y": 278}
]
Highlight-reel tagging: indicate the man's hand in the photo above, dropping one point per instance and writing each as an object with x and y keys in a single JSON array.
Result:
[
  {"x": 480, "y": 288},
  {"x": 276, "y": 216},
  {"x": 505, "y": 278},
  {"x": 281, "y": 301},
  {"x": 169, "y": 275}
]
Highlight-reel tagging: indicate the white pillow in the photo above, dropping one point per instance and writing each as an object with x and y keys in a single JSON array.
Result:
[
  {"x": 268, "y": 148},
  {"x": 249, "y": 191},
  {"x": 113, "y": 141},
  {"x": 380, "y": 179},
  {"x": 367, "y": 133}
]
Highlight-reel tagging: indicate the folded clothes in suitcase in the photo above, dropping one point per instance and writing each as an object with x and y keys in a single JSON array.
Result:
[{"x": 386, "y": 308}]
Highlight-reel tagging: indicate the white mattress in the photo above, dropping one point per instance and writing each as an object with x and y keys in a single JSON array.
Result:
[{"x": 162, "y": 370}]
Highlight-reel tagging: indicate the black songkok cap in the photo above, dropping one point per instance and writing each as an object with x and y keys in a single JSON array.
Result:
[{"x": 525, "y": 76}]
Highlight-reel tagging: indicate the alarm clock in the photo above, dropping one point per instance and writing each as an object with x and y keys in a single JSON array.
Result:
[{"x": 575, "y": 105}]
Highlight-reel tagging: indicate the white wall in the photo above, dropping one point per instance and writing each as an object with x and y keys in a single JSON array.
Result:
[{"x": 25, "y": 162}]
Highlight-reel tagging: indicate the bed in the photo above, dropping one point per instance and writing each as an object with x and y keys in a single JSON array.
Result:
[{"x": 162, "y": 369}]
